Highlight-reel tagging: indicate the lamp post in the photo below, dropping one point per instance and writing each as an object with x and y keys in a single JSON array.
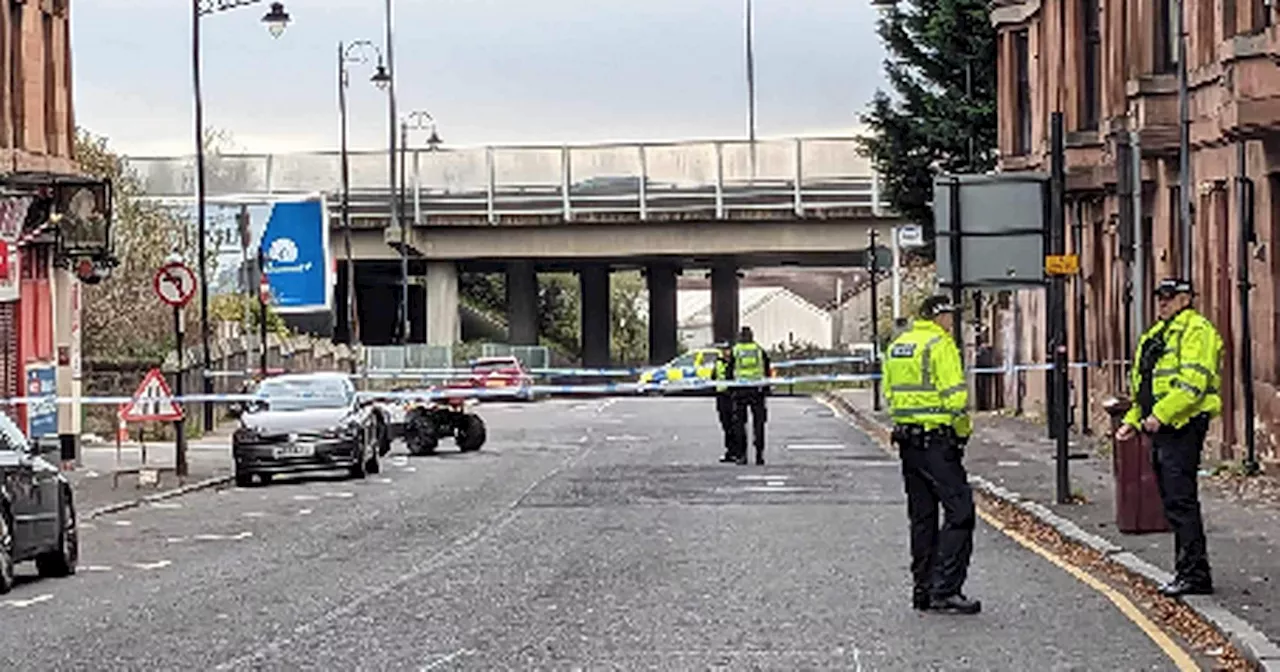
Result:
[
  {"x": 416, "y": 120},
  {"x": 349, "y": 54},
  {"x": 276, "y": 20},
  {"x": 392, "y": 118},
  {"x": 751, "y": 86}
]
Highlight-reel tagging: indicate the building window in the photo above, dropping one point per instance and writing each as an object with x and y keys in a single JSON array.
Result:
[
  {"x": 1229, "y": 18},
  {"x": 1261, "y": 15},
  {"x": 1022, "y": 87},
  {"x": 17, "y": 96},
  {"x": 1166, "y": 36},
  {"x": 1091, "y": 96}
]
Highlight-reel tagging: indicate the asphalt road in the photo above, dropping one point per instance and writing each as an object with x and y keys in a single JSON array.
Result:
[{"x": 596, "y": 534}]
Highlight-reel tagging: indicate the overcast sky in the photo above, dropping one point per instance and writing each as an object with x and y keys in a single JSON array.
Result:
[{"x": 490, "y": 71}]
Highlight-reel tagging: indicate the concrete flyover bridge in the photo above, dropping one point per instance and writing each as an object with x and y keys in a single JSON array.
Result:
[{"x": 664, "y": 207}]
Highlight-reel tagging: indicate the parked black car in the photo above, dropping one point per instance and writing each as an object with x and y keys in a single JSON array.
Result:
[
  {"x": 308, "y": 422},
  {"x": 37, "y": 510}
]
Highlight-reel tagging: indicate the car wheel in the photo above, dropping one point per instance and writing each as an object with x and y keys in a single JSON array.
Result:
[
  {"x": 244, "y": 479},
  {"x": 471, "y": 433},
  {"x": 420, "y": 434},
  {"x": 361, "y": 468},
  {"x": 374, "y": 465},
  {"x": 62, "y": 561},
  {"x": 6, "y": 553},
  {"x": 384, "y": 438}
]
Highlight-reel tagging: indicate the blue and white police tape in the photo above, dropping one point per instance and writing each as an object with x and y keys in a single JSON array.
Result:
[
  {"x": 435, "y": 393},
  {"x": 447, "y": 373}
]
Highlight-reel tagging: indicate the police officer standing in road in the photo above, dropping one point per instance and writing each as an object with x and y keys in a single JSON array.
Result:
[
  {"x": 1178, "y": 378},
  {"x": 724, "y": 403},
  {"x": 923, "y": 379},
  {"x": 749, "y": 364}
]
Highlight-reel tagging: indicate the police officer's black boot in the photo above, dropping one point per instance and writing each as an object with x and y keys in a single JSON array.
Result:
[
  {"x": 760, "y": 455},
  {"x": 955, "y": 604}
]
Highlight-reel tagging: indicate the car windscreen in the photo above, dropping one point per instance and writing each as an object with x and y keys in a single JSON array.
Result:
[
  {"x": 495, "y": 367},
  {"x": 11, "y": 438},
  {"x": 293, "y": 395}
]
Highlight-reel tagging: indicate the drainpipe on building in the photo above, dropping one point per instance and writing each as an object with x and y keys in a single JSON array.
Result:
[
  {"x": 1139, "y": 244},
  {"x": 1244, "y": 202},
  {"x": 1184, "y": 149}
]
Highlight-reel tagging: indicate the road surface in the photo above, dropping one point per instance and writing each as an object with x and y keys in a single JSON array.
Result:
[{"x": 588, "y": 534}]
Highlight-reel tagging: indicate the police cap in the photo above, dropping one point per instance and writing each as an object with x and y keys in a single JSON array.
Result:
[
  {"x": 1173, "y": 287},
  {"x": 935, "y": 306}
]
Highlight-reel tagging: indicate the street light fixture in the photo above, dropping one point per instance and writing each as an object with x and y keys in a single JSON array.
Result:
[
  {"x": 381, "y": 78},
  {"x": 349, "y": 54},
  {"x": 276, "y": 20},
  {"x": 416, "y": 120}
]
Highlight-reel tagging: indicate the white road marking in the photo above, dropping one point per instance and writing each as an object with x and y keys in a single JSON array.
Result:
[
  {"x": 816, "y": 446},
  {"x": 96, "y": 568},
  {"x": 410, "y": 469},
  {"x": 123, "y": 523},
  {"x": 340, "y": 495},
  {"x": 757, "y": 488},
  {"x": 582, "y": 439},
  {"x": 175, "y": 540},
  {"x": 305, "y": 498},
  {"x": 304, "y": 512},
  {"x": 161, "y": 564},
  {"x": 443, "y": 660},
  {"x": 223, "y": 537},
  {"x": 759, "y": 477},
  {"x": 626, "y": 437},
  {"x": 28, "y": 602},
  {"x": 166, "y": 505},
  {"x": 384, "y": 479},
  {"x": 253, "y": 514},
  {"x": 1008, "y": 463},
  {"x": 87, "y": 526},
  {"x": 774, "y": 484}
]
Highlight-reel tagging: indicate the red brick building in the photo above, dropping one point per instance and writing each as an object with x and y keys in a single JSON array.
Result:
[
  {"x": 1111, "y": 68},
  {"x": 54, "y": 223}
]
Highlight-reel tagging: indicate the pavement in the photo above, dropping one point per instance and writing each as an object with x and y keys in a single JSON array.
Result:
[
  {"x": 596, "y": 534},
  {"x": 1242, "y": 515}
]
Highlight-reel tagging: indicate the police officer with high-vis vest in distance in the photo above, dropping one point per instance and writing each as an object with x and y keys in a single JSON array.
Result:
[
  {"x": 924, "y": 384},
  {"x": 724, "y": 402},
  {"x": 750, "y": 364},
  {"x": 1177, "y": 379}
]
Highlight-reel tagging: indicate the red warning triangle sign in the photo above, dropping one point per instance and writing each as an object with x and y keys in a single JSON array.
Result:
[{"x": 153, "y": 402}]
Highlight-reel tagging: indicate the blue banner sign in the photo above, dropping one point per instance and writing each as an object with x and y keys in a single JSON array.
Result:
[
  {"x": 42, "y": 417},
  {"x": 295, "y": 246}
]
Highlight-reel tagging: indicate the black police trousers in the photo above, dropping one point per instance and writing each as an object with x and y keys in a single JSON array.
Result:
[
  {"x": 933, "y": 475},
  {"x": 1175, "y": 456},
  {"x": 724, "y": 409},
  {"x": 744, "y": 400}
]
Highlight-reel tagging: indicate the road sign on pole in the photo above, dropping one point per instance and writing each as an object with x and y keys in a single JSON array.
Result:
[
  {"x": 175, "y": 283},
  {"x": 152, "y": 402}
]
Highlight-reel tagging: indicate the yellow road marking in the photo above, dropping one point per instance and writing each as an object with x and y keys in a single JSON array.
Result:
[
  {"x": 1126, "y": 607},
  {"x": 1170, "y": 648}
]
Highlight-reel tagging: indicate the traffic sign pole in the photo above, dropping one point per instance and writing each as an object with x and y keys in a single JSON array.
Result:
[{"x": 179, "y": 425}]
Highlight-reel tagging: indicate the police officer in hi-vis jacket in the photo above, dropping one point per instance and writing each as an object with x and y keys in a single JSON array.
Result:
[
  {"x": 924, "y": 383},
  {"x": 1178, "y": 378},
  {"x": 749, "y": 364}
]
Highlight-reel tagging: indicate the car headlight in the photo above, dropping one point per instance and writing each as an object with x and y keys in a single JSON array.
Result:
[
  {"x": 245, "y": 435},
  {"x": 345, "y": 432}
]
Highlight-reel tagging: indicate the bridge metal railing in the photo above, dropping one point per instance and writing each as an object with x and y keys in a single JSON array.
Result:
[{"x": 659, "y": 180}]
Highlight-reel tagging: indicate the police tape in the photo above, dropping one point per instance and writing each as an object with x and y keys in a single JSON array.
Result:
[
  {"x": 446, "y": 373},
  {"x": 521, "y": 391}
]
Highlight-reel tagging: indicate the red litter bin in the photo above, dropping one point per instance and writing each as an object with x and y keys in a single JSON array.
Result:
[{"x": 1138, "y": 506}]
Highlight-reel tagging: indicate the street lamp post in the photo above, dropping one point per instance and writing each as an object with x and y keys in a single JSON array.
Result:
[
  {"x": 276, "y": 20},
  {"x": 417, "y": 120},
  {"x": 392, "y": 118},
  {"x": 353, "y": 53}
]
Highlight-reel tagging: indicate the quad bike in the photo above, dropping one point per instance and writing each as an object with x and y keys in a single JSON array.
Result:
[{"x": 425, "y": 423}]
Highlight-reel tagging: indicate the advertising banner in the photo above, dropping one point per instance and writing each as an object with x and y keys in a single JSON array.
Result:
[{"x": 295, "y": 246}]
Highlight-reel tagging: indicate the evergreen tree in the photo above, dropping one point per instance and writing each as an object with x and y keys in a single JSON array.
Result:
[{"x": 942, "y": 69}]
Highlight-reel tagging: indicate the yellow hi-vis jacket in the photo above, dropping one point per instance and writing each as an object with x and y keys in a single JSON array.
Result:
[
  {"x": 1186, "y": 378},
  {"x": 923, "y": 380},
  {"x": 721, "y": 371}
]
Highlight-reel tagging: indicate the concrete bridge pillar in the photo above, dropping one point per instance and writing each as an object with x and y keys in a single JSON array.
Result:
[
  {"x": 443, "y": 325},
  {"x": 522, "y": 303},
  {"x": 662, "y": 313},
  {"x": 594, "y": 283},
  {"x": 724, "y": 301}
]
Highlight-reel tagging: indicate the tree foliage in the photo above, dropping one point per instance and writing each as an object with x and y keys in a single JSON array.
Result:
[
  {"x": 942, "y": 69},
  {"x": 122, "y": 317},
  {"x": 629, "y": 318}
]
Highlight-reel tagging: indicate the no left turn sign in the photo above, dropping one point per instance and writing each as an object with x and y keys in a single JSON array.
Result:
[{"x": 174, "y": 283}]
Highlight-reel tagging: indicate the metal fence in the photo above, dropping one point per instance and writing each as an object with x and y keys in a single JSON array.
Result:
[
  {"x": 531, "y": 356},
  {"x": 640, "y": 179},
  {"x": 411, "y": 356}
]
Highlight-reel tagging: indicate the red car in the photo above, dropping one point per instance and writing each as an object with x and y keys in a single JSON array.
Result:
[{"x": 502, "y": 373}]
